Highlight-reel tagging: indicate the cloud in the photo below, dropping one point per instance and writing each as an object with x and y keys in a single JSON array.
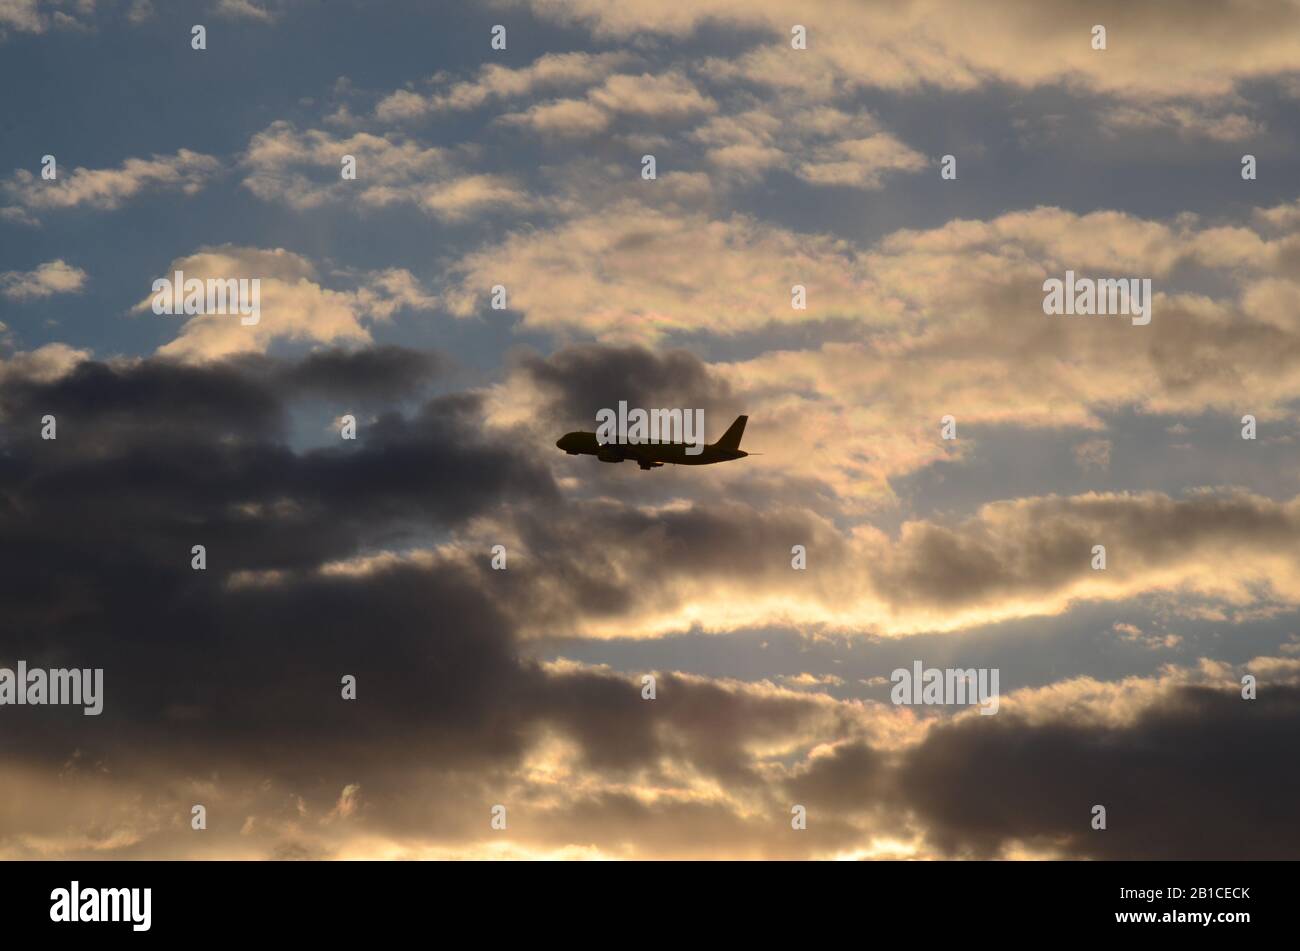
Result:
[
  {"x": 602, "y": 272},
  {"x": 303, "y": 170},
  {"x": 372, "y": 375},
  {"x": 460, "y": 198},
  {"x": 579, "y": 380},
  {"x": 18, "y": 216},
  {"x": 922, "y": 324},
  {"x": 52, "y": 277},
  {"x": 37, "y": 16},
  {"x": 393, "y": 289},
  {"x": 1157, "y": 52},
  {"x": 1025, "y": 558},
  {"x": 108, "y": 189},
  {"x": 980, "y": 262},
  {"x": 1035, "y": 555},
  {"x": 550, "y": 72},
  {"x": 21, "y": 15},
  {"x": 983, "y": 788},
  {"x": 207, "y": 459},
  {"x": 820, "y": 144},
  {"x": 1152, "y": 641},
  {"x": 745, "y": 136},
  {"x": 806, "y": 680},
  {"x": 860, "y": 163},
  {"x": 384, "y": 165},
  {"x": 951, "y": 324},
  {"x": 1093, "y": 454},
  {"x": 42, "y": 365},
  {"x": 371, "y": 557},
  {"x": 1211, "y": 550},
  {"x": 1189, "y": 120},
  {"x": 564, "y": 117},
  {"x": 650, "y": 573},
  {"x": 669, "y": 97},
  {"x": 155, "y": 456},
  {"x": 243, "y": 10},
  {"x": 293, "y": 305}
]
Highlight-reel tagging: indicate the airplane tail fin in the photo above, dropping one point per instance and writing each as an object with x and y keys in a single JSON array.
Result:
[{"x": 731, "y": 438}]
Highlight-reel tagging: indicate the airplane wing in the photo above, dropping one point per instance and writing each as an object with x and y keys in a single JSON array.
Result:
[{"x": 630, "y": 452}]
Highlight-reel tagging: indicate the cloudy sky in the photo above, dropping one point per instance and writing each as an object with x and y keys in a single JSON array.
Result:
[{"x": 775, "y": 166}]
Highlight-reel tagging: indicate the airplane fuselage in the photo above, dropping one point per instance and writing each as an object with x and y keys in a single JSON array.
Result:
[{"x": 647, "y": 455}]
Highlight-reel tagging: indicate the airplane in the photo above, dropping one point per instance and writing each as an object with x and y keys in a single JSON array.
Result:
[{"x": 654, "y": 455}]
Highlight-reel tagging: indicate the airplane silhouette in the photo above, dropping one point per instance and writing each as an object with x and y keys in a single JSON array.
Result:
[{"x": 654, "y": 455}]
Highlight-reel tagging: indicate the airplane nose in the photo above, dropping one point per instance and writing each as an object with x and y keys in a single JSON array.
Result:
[{"x": 559, "y": 443}]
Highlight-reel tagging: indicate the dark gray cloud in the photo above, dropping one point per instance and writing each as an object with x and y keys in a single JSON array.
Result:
[
  {"x": 1200, "y": 775},
  {"x": 99, "y": 533},
  {"x": 376, "y": 373},
  {"x": 237, "y": 669},
  {"x": 223, "y": 685},
  {"x": 585, "y": 378}
]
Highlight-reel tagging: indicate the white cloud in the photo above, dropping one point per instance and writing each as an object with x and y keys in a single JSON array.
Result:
[
  {"x": 294, "y": 306},
  {"x": 822, "y": 145},
  {"x": 1155, "y": 50},
  {"x": 20, "y": 15},
  {"x": 44, "y": 364},
  {"x": 563, "y": 117},
  {"x": 109, "y": 188},
  {"x": 52, "y": 277},
  {"x": 549, "y": 73},
  {"x": 1190, "y": 120},
  {"x": 242, "y": 10},
  {"x": 669, "y": 96},
  {"x": 930, "y": 322},
  {"x": 302, "y": 169},
  {"x": 860, "y": 163},
  {"x": 603, "y": 272}
]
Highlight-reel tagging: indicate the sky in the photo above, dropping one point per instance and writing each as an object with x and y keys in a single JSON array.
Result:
[{"x": 686, "y": 662}]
